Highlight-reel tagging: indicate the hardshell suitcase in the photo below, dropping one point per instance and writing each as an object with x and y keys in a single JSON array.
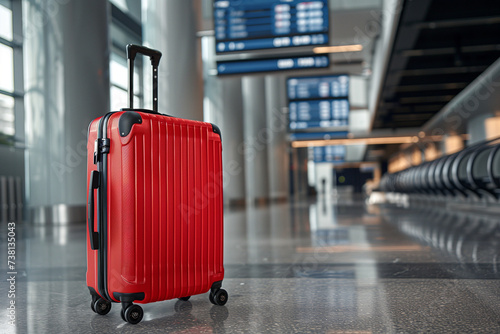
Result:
[{"x": 155, "y": 206}]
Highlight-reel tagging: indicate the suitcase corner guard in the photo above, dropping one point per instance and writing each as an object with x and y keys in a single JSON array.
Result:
[{"x": 127, "y": 121}]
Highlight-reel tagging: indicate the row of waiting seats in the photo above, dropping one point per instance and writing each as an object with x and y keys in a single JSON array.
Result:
[{"x": 471, "y": 173}]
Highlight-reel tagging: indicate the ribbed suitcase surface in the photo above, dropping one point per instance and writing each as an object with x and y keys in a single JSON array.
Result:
[
  {"x": 164, "y": 208},
  {"x": 154, "y": 206}
]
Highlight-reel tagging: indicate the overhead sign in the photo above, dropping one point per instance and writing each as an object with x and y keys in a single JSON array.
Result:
[
  {"x": 318, "y": 114},
  {"x": 321, "y": 87},
  {"x": 271, "y": 65},
  {"x": 331, "y": 154},
  {"x": 269, "y": 24},
  {"x": 317, "y": 103}
]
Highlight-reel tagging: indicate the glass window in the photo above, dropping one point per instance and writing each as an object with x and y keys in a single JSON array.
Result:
[
  {"x": 8, "y": 97},
  {"x": 118, "y": 98},
  {"x": 7, "y": 115},
  {"x": 7, "y": 65},
  {"x": 130, "y": 8},
  {"x": 5, "y": 23},
  {"x": 119, "y": 82},
  {"x": 125, "y": 28},
  {"x": 119, "y": 73},
  {"x": 122, "y": 4}
]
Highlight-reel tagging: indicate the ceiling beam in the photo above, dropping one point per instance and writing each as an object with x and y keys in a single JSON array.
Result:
[
  {"x": 426, "y": 99},
  {"x": 464, "y": 22},
  {"x": 415, "y": 110},
  {"x": 411, "y": 117},
  {"x": 481, "y": 91},
  {"x": 450, "y": 50},
  {"x": 396, "y": 104},
  {"x": 431, "y": 87},
  {"x": 406, "y": 39},
  {"x": 412, "y": 11},
  {"x": 443, "y": 70}
]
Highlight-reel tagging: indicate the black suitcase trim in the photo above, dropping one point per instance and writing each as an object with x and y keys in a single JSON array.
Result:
[
  {"x": 102, "y": 213},
  {"x": 102, "y": 221},
  {"x": 129, "y": 297}
]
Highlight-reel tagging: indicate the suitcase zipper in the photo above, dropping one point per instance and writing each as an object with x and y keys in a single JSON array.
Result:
[{"x": 101, "y": 148}]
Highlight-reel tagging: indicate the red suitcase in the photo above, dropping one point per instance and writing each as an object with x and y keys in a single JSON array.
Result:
[{"x": 155, "y": 206}]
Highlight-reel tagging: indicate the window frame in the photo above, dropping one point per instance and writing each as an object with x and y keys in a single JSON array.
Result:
[
  {"x": 123, "y": 24},
  {"x": 18, "y": 138}
]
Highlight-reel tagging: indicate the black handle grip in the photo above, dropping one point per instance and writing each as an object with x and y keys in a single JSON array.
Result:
[
  {"x": 155, "y": 56},
  {"x": 93, "y": 184}
]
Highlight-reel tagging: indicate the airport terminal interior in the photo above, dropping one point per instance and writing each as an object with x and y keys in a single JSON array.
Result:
[{"x": 360, "y": 155}]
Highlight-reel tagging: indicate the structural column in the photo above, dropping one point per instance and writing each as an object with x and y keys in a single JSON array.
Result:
[
  {"x": 224, "y": 107},
  {"x": 257, "y": 138},
  {"x": 233, "y": 140},
  {"x": 277, "y": 125},
  {"x": 66, "y": 86},
  {"x": 171, "y": 26}
]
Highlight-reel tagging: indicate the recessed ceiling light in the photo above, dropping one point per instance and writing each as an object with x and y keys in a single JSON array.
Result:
[{"x": 338, "y": 48}]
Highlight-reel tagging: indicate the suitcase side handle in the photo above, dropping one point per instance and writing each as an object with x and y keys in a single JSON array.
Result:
[
  {"x": 93, "y": 184},
  {"x": 155, "y": 56}
]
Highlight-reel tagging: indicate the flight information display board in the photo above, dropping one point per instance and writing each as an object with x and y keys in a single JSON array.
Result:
[
  {"x": 319, "y": 114},
  {"x": 324, "y": 135},
  {"x": 268, "y": 24},
  {"x": 318, "y": 87},
  {"x": 335, "y": 153},
  {"x": 316, "y": 103},
  {"x": 271, "y": 65}
]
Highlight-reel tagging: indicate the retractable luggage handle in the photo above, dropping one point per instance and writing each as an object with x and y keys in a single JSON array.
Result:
[
  {"x": 93, "y": 184},
  {"x": 155, "y": 56}
]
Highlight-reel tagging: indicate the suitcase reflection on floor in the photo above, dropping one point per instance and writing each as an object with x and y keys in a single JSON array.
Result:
[{"x": 183, "y": 319}]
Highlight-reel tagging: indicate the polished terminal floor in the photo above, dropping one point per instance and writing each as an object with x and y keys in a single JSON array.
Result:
[{"x": 319, "y": 267}]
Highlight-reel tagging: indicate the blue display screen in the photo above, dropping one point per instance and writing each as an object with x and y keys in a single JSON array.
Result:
[
  {"x": 335, "y": 153},
  {"x": 267, "y": 24},
  {"x": 318, "y": 102},
  {"x": 318, "y": 114},
  {"x": 318, "y": 87},
  {"x": 271, "y": 65},
  {"x": 317, "y": 135}
]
